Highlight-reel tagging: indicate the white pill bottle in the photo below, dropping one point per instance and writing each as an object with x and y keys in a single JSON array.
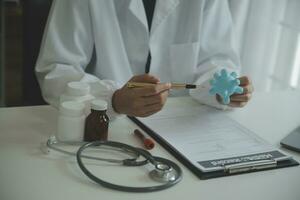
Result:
[
  {"x": 80, "y": 92},
  {"x": 71, "y": 121}
]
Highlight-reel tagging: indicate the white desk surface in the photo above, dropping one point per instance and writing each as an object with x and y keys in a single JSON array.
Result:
[{"x": 26, "y": 173}]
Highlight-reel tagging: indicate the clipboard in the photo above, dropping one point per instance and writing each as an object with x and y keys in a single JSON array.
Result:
[{"x": 228, "y": 170}]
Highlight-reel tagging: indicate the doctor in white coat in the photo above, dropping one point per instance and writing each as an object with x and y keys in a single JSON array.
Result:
[{"x": 189, "y": 40}]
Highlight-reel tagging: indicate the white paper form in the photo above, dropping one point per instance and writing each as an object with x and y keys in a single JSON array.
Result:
[{"x": 203, "y": 134}]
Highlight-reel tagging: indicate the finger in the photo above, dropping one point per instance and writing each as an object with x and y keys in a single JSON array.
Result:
[
  {"x": 247, "y": 89},
  {"x": 150, "y": 100},
  {"x": 144, "y": 104},
  {"x": 154, "y": 99},
  {"x": 241, "y": 97},
  {"x": 149, "y": 113},
  {"x": 145, "y": 78},
  {"x": 153, "y": 107},
  {"x": 153, "y": 90},
  {"x": 159, "y": 99},
  {"x": 237, "y": 104},
  {"x": 244, "y": 80}
]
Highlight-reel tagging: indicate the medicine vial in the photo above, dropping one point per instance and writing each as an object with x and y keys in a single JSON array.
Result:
[
  {"x": 96, "y": 125},
  {"x": 80, "y": 92},
  {"x": 71, "y": 121}
]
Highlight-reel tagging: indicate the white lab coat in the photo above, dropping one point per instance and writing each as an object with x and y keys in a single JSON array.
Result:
[{"x": 189, "y": 41}]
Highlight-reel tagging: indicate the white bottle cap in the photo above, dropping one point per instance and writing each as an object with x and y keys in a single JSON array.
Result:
[
  {"x": 77, "y": 89},
  {"x": 72, "y": 108},
  {"x": 99, "y": 104}
]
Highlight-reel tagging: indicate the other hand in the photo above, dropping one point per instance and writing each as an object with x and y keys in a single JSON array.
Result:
[{"x": 240, "y": 100}]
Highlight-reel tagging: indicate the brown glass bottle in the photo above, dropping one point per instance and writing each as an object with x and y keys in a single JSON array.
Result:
[{"x": 96, "y": 123}]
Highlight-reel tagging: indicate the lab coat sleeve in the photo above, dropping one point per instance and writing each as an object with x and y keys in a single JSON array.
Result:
[
  {"x": 216, "y": 50},
  {"x": 65, "y": 52}
]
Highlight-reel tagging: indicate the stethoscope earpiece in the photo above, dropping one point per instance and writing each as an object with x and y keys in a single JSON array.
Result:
[
  {"x": 44, "y": 148},
  {"x": 52, "y": 140}
]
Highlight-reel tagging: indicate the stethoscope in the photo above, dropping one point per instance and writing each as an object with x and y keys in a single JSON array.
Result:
[{"x": 166, "y": 172}]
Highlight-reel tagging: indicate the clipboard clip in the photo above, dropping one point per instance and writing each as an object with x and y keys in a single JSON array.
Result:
[{"x": 250, "y": 166}]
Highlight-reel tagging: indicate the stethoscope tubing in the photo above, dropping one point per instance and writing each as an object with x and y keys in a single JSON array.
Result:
[
  {"x": 128, "y": 162},
  {"x": 145, "y": 154}
]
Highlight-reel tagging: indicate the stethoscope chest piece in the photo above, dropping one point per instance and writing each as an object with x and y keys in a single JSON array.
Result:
[{"x": 163, "y": 173}]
